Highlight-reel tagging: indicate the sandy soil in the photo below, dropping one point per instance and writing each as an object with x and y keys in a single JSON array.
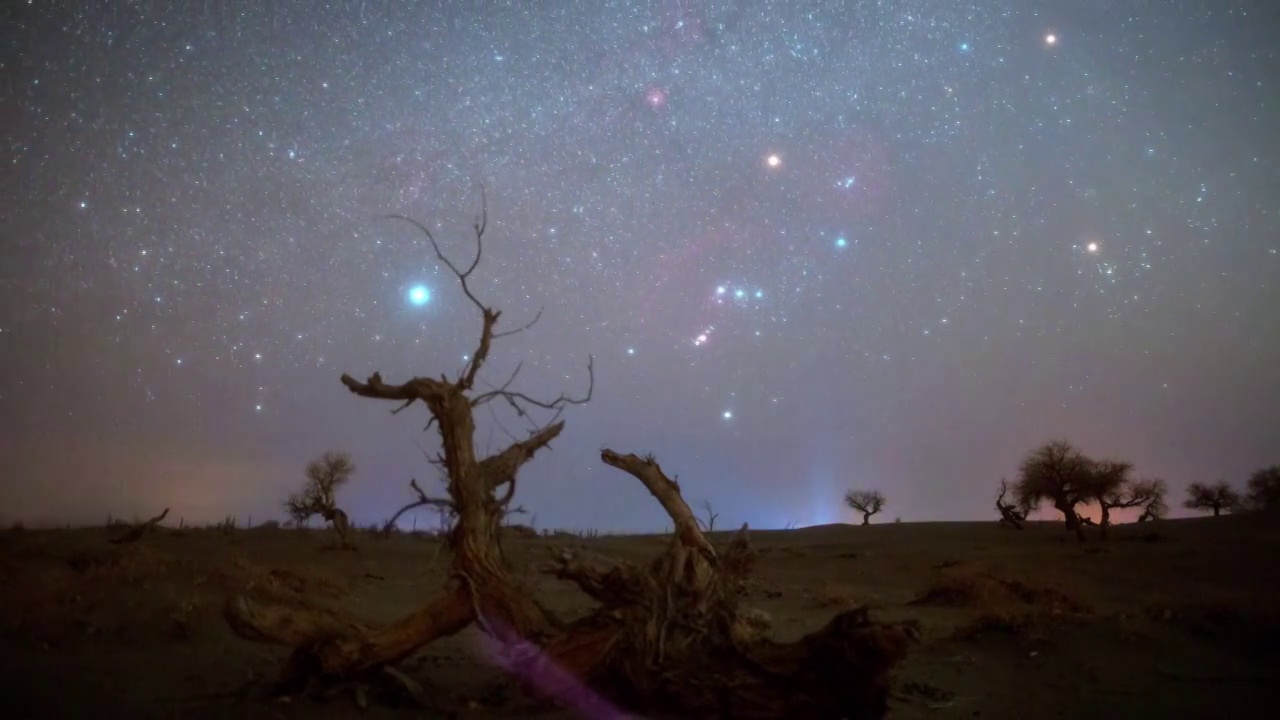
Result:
[{"x": 1174, "y": 619}]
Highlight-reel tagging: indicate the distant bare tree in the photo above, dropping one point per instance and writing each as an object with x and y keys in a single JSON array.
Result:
[
  {"x": 325, "y": 476},
  {"x": 1263, "y": 490},
  {"x": 1011, "y": 514},
  {"x": 867, "y": 502},
  {"x": 1214, "y": 497},
  {"x": 709, "y": 524},
  {"x": 1155, "y": 507},
  {"x": 1126, "y": 493}
]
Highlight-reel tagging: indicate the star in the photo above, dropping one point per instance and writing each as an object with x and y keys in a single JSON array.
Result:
[
  {"x": 773, "y": 161},
  {"x": 419, "y": 295},
  {"x": 656, "y": 97}
]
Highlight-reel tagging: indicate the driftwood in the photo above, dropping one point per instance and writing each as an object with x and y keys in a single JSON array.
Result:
[
  {"x": 135, "y": 533},
  {"x": 667, "y": 636}
]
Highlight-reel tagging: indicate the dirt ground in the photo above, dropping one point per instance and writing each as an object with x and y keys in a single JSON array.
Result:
[{"x": 1172, "y": 619}]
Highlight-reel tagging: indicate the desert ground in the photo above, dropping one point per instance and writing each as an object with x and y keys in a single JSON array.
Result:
[{"x": 1167, "y": 619}]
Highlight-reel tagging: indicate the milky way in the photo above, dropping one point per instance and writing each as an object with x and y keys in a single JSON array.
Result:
[{"x": 811, "y": 245}]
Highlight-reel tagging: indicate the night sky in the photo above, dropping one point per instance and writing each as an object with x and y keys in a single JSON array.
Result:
[{"x": 811, "y": 245}]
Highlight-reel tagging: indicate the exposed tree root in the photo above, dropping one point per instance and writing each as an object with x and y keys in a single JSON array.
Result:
[{"x": 668, "y": 635}]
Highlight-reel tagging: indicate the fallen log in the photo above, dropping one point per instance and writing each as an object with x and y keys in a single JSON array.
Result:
[{"x": 135, "y": 533}]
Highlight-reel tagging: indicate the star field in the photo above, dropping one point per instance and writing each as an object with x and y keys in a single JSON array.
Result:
[{"x": 811, "y": 245}]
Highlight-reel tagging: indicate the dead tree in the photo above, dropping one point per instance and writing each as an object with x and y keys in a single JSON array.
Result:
[
  {"x": 667, "y": 636},
  {"x": 318, "y": 497},
  {"x": 135, "y": 533},
  {"x": 867, "y": 502},
  {"x": 1146, "y": 494},
  {"x": 1010, "y": 514},
  {"x": 708, "y": 522}
]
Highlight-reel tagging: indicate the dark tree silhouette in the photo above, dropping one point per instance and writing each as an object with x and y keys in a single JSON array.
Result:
[
  {"x": 710, "y": 516},
  {"x": 1155, "y": 507},
  {"x": 1058, "y": 473},
  {"x": 1127, "y": 493},
  {"x": 668, "y": 636},
  {"x": 1214, "y": 497},
  {"x": 1262, "y": 492},
  {"x": 867, "y": 502},
  {"x": 1011, "y": 514},
  {"x": 325, "y": 475},
  {"x": 1108, "y": 486}
]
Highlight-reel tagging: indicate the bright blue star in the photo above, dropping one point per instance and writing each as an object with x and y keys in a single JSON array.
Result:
[
  {"x": 419, "y": 295},
  {"x": 965, "y": 47},
  {"x": 841, "y": 242}
]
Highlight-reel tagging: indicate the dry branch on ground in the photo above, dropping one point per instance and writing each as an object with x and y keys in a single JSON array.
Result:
[{"x": 135, "y": 533}]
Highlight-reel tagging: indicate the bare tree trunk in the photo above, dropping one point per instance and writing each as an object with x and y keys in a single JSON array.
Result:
[
  {"x": 1073, "y": 520},
  {"x": 342, "y": 526}
]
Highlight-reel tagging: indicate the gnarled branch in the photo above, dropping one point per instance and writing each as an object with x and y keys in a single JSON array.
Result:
[
  {"x": 136, "y": 532},
  {"x": 518, "y": 399},
  {"x": 501, "y": 468},
  {"x": 665, "y": 490},
  {"x": 421, "y": 501}
]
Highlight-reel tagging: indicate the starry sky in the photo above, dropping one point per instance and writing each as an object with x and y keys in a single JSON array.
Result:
[{"x": 818, "y": 245}]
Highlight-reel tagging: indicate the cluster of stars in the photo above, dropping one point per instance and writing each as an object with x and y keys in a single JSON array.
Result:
[{"x": 852, "y": 206}]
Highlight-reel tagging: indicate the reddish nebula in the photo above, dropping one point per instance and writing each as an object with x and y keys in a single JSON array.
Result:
[{"x": 656, "y": 97}]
